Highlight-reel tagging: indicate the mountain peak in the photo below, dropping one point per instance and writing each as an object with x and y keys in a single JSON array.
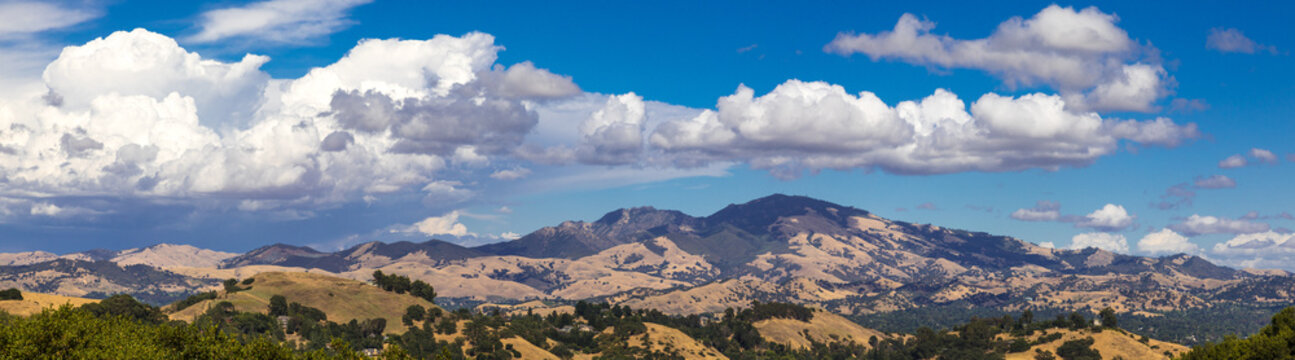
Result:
[
  {"x": 624, "y": 215},
  {"x": 755, "y": 215}
]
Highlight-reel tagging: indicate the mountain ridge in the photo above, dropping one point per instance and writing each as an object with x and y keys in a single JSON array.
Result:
[{"x": 830, "y": 255}]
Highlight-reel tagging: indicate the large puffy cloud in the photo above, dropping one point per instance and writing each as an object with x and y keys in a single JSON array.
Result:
[
  {"x": 814, "y": 125},
  {"x": 1083, "y": 53},
  {"x": 1198, "y": 224},
  {"x": 284, "y": 21},
  {"x": 140, "y": 62},
  {"x": 1166, "y": 241},
  {"x": 1105, "y": 241},
  {"x": 447, "y": 224},
  {"x": 614, "y": 134},
  {"x": 135, "y": 115},
  {"x": 1110, "y": 217}
]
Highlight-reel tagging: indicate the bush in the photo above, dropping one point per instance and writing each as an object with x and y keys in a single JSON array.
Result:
[
  {"x": 1078, "y": 350},
  {"x": 11, "y": 294}
]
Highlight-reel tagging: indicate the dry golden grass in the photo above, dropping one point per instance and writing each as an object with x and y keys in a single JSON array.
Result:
[
  {"x": 824, "y": 327},
  {"x": 529, "y": 351},
  {"x": 1110, "y": 343},
  {"x": 32, "y": 303},
  {"x": 660, "y": 338},
  {"x": 342, "y": 299}
]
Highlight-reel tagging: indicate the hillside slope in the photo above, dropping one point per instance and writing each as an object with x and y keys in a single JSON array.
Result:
[
  {"x": 824, "y": 327},
  {"x": 341, "y": 299},
  {"x": 1111, "y": 344},
  {"x": 32, "y": 303}
]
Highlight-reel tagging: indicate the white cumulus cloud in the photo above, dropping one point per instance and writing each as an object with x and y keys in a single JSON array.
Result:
[
  {"x": 1166, "y": 241},
  {"x": 1105, "y": 241},
  {"x": 447, "y": 224},
  {"x": 1110, "y": 217},
  {"x": 1082, "y": 53},
  {"x": 815, "y": 125}
]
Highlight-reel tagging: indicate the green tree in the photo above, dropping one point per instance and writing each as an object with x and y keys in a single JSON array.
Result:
[
  {"x": 278, "y": 305},
  {"x": 11, "y": 294},
  {"x": 1108, "y": 318},
  {"x": 231, "y": 286},
  {"x": 1080, "y": 349}
]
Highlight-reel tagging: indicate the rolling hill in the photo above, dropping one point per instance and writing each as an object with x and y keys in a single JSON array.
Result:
[
  {"x": 32, "y": 303},
  {"x": 342, "y": 299}
]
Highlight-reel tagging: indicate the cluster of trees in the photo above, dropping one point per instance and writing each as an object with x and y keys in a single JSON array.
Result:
[
  {"x": 193, "y": 299},
  {"x": 122, "y": 328},
  {"x": 224, "y": 332},
  {"x": 11, "y": 294},
  {"x": 401, "y": 284},
  {"x": 1275, "y": 341},
  {"x": 979, "y": 339}
]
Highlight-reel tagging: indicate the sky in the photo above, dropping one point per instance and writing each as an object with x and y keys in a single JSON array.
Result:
[{"x": 1146, "y": 128}]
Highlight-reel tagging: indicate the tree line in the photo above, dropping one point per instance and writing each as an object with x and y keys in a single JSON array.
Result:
[{"x": 401, "y": 284}]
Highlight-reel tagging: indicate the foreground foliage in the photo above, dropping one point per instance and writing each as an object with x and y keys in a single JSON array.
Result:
[
  {"x": 1275, "y": 341},
  {"x": 73, "y": 333}
]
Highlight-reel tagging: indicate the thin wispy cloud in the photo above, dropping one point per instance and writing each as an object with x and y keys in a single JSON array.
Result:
[
  {"x": 1231, "y": 40},
  {"x": 24, "y": 18},
  {"x": 276, "y": 21}
]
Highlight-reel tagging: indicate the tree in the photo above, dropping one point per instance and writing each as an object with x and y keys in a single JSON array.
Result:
[
  {"x": 413, "y": 313},
  {"x": 11, "y": 294},
  {"x": 231, "y": 286},
  {"x": 1108, "y": 318},
  {"x": 1044, "y": 355},
  {"x": 1078, "y": 321},
  {"x": 123, "y": 305},
  {"x": 278, "y": 306},
  {"x": 1078, "y": 350}
]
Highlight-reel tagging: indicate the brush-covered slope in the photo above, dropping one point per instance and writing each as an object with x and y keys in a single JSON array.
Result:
[
  {"x": 1111, "y": 343},
  {"x": 341, "y": 299},
  {"x": 32, "y": 303},
  {"x": 824, "y": 327}
]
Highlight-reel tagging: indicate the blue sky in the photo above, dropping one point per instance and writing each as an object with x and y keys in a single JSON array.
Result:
[{"x": 1077, "y": 125}]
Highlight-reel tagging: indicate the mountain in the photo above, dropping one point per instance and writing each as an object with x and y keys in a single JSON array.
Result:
[
  {"x": 575, "y": 239},
  {"x": 170, "y": 256},
  {"x": 25, "y": 258},
  {"x": 98, "y": 279},
  {"x": 283, "y": 254},
  {"x": 781, "y": 248}
]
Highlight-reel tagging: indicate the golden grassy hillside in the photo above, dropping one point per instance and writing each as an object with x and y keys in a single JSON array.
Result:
[
  {"x": 661, "y": 337},
  {"x": 1111, "y": 343},
  {"x": 32, "y": 303},
  {"x": 342, "y": 299},
  {"x": 529, "y": 351},
  {"x": 824, "y": 327}
]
